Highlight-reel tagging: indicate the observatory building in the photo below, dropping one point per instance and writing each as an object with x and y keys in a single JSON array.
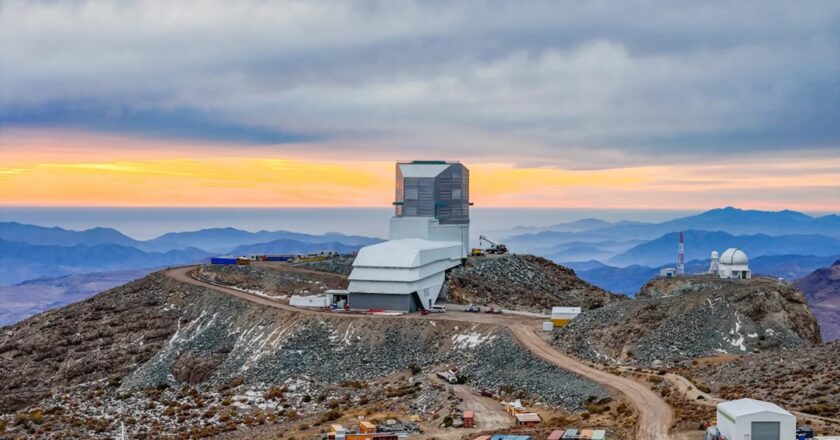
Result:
[
  {"x": 429, "y": 233},
  {"x": 733, "y": 263}
]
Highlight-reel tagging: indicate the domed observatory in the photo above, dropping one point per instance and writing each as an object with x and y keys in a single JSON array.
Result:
[{"x": 734, "y": 264}]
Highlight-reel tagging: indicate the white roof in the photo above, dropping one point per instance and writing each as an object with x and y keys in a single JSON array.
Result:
[
  {"x": 404, "y": 252},
  {"x": 743, "y": 407},
  {"x": 565, "y": 310},
  {"x": 422, "y": 169},
  {"x": 734, "y": 256},
  {"x": 528, "y": 417}
]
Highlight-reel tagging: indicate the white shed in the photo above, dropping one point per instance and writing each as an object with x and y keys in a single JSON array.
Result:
[
  {"x": 749, "y": 419},
  {"x": 318, "y": 301}
]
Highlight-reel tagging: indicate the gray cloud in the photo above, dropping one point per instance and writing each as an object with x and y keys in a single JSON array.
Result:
[{"x": 577, "y": 84}]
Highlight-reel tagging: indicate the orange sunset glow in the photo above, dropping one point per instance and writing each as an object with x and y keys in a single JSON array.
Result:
[{"x": 83, "y": 172}]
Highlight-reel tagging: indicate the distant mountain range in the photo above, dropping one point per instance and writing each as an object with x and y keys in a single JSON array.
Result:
[
  {"x": 23, "y": 300},
  {"x": 699, "y": 244},
  {"x": 730, "y": 220},
  {"x": 628, "y": 280},
  {"x": 24, "y": 261},
  {"x": 214, "y": 240},
  {"x": 29, "y": 252}
]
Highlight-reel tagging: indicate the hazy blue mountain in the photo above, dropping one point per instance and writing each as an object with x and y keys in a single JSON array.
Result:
[
  {"x": 579, "y": 266},
  {"x": 24, "y": 261},
  {"x": 294, "y": 247},
  {"x": 581, "y": 252},
  {"x": 628, "y": 280},
  {"x": 224, "y": 240},
  {"x": 32, "y": 234},
  {"x": 699, "y": 244},
  {"x": 730, "y": 220},
  {"x": 214, "y": 240},
  {"x": 790, "y": 267},
  {"x": 23, "y": 300}
]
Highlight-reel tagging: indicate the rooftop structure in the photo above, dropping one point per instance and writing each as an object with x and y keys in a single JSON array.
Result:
[
  {"x": 429, "y": 233},
  {"x": 404, "y": 274},
  {"x": 435, "y": 189}
]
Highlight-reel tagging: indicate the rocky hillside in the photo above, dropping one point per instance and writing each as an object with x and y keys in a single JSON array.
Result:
[
  {"x": 822, "y": 291},
  {"x": 681, "y": 318},
  {"x": 804, "y": 379},
  {"x": 272, "y": 279},
  {"x": 523, "y": 282},
  {"x": 169, "y": 359}
]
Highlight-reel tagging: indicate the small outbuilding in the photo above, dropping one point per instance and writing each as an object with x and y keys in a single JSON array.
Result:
[
  {"x": 668, "y": 272},
  {"x": 749, "y": 419},
  {"x": 560, "y": 316},
  {"x": 527, "y": 419}
]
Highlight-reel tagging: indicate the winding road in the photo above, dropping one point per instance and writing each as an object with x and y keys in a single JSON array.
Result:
[{"x": 655, "y": 415}]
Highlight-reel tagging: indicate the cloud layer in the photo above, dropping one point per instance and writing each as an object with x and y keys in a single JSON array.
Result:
[{"x": 569, "y": 84}]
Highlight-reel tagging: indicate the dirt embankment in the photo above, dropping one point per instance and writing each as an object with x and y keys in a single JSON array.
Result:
[{"x": 272, "y": 279}]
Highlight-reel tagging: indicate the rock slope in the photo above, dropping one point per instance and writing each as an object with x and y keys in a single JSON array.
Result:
[
  {"x": 822, "y": 291},
  {"x": 804, "y": 379},
  {"x": 180, "y": 358},
  {"x": 682, "y": 318},
  {"x": 523, "y": 282}
]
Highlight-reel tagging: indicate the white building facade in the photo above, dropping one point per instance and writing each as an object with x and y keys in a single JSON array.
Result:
[
  {"x": 428, "y": 235},
  {"x": 748, "y": 419}
]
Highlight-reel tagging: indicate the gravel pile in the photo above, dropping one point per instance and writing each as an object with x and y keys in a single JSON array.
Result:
[
  {"x": 805, "y": 379},
  {"x": 655, "y": 328},
  {"x": 523, "y": 282},
  {"x": 341, "y": 265},
  {"x": 506, "y": 363},
  {"x": 220, "y": 338}
]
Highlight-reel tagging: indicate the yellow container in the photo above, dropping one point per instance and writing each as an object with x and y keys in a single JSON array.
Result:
[{"x": 561, "y": 322}]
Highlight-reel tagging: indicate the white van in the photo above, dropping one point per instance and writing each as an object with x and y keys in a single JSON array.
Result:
[{"x": 437, "y": 309}]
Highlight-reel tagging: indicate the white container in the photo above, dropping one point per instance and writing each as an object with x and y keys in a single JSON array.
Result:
[{"x": 548, "y": 326}]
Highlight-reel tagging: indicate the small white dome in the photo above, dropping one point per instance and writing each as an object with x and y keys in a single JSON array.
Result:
[
  {"x": 714, "y": 255},
  {"x": 734, "y": 256}
]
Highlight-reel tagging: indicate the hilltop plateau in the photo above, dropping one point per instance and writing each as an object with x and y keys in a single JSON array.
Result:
[
  {"x": 675, "y": 319},
  {"x": 168, "y": 358}
]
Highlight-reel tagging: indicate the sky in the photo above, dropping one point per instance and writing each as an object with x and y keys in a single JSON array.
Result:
[{"x": 626, "y": 105}]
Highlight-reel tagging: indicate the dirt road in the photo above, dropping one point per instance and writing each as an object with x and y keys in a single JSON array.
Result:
[
  {"x": 654, "y": 414},
  {"x": 490, "y": 415}
]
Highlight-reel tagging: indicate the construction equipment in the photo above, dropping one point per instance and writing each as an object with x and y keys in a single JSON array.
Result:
[
  {"x": 495, "y": 247},
  {"x": 448, "y": 375},
  {"x": 477, "y": 252}
]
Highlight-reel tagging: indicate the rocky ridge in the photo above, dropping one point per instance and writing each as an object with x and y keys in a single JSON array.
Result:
[
  {"x": 676, "y": 319},
  {"x": 169, "y": 358},
  {"x": 822, "y": 291},
  {"x": 523, "y": 282}
]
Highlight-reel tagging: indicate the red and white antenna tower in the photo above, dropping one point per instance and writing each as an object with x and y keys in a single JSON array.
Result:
[{"x": 681, "y": 255}]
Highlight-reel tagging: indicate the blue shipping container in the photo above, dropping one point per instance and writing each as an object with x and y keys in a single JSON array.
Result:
[{"x": 222, "y": 260}]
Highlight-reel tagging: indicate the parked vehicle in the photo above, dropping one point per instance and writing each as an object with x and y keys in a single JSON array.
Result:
[
  {"x": 472, "y": 308},
  {"x": 437, "y": 308},
  {"x": 493, "y": 311},
  {"x": 425, "y": 312}
]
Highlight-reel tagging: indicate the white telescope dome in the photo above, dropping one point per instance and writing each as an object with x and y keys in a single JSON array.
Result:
[{"x": 734, "y": 256}]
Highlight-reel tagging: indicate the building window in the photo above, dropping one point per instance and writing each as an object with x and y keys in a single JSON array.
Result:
[
  {"x": 456, "y": 193},
  {"x": 411, "y": 193}
]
